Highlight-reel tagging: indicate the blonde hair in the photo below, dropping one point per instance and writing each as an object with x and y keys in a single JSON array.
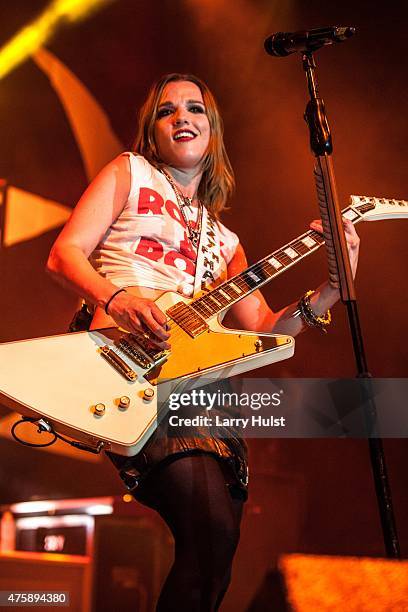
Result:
[{"x": 217, "y": 182}]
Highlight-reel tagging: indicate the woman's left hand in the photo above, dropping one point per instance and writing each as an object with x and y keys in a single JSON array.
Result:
[{"x": 352, "y": 239}]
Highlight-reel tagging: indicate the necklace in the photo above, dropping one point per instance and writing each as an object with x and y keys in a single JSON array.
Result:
[{"x": 183, "y": 202}]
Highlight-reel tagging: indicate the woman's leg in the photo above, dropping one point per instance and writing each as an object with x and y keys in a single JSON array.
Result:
[{"x": 191, "y": 495}]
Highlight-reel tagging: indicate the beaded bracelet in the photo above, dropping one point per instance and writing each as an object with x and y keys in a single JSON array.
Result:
[
  {"x": 309, "y": 317},
  {"x": 111, "y": 298}
]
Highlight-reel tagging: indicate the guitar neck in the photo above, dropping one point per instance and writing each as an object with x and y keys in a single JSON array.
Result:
[{"x": 243, "y": 284}]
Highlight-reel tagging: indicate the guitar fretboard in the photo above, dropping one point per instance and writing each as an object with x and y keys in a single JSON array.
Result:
[{"x": 257, "y": 275}]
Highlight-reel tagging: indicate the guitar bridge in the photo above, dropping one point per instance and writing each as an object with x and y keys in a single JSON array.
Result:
[
  {"x": 118, "y": 363},
  {"x": 188, "y": 319}
]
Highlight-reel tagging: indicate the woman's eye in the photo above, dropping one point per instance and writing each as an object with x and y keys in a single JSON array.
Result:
[
  {"x": 163, "y": 112},
  {"x": 197, "y": 109}
]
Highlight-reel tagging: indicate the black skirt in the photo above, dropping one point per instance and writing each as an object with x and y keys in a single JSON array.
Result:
[{"x": 165, "y": 446}]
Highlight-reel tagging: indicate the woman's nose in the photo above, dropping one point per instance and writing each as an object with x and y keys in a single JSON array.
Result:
[{"x": 180, "y": 117}]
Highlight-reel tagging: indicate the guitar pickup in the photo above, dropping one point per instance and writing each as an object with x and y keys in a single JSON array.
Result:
[
  {"x": 188, "y": 319},
  {"x": 142, "y": 350},
  {"x": 134, "y": 352}
]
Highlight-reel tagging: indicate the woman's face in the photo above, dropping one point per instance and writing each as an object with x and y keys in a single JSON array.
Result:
[{"x": 182, "y": 129}]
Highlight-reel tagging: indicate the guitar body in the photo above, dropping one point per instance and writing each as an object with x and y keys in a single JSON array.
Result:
[
  {"x": 63, "y": 378},
  {"x": 77, "y": 382},
  {"x": 218, "y": 352}
]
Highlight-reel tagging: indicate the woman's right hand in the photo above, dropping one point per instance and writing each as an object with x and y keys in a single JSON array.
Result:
[{"x": 135, "y": 314}]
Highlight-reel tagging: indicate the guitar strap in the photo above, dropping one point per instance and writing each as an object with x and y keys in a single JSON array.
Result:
[{"x": 210, "y": 266}]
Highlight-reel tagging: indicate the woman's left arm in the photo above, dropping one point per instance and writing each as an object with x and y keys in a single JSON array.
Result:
[{"x": 253, "y": 313}]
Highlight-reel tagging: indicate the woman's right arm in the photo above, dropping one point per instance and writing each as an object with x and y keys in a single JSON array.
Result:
[{"x": 68, "y": 262}]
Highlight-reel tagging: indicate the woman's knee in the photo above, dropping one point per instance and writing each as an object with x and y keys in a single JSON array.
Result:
[{"x": 211, "y": 546}]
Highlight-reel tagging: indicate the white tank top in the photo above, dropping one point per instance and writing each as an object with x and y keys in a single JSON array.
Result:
[{"x": 148, "y": 245}]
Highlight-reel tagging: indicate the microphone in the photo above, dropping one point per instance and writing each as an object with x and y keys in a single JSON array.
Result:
[{"x": 285, "y": 43}]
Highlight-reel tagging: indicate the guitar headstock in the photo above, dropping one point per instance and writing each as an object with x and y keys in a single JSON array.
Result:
[{"x": 374, "y": 209}]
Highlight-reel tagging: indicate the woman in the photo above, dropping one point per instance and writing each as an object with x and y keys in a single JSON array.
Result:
[{"x": 139, "y": 221}]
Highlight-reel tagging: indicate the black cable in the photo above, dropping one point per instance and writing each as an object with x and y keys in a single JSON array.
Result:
[
  {"x": 45, "y": 426},
  {"x": 40, "y": 430}
]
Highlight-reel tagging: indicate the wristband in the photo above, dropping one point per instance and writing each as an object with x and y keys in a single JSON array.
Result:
[
  {"x": 309, "y": 317},
  {"x": 111, "y": 298}
]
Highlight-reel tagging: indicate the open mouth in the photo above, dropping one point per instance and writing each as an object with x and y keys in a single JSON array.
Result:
[{"x": 184, "y": 135}]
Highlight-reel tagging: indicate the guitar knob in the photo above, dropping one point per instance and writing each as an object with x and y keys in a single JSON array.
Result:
[
  {"x": 124, "y": 402},
  {"x": 99, "y": 409},
  {"x": 148, "y": 394}
]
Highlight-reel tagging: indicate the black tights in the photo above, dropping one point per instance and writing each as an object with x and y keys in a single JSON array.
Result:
[{"x": 191, "y": 496}]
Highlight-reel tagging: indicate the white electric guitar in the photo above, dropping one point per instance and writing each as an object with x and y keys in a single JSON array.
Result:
[{"x": 107, "y": 388}]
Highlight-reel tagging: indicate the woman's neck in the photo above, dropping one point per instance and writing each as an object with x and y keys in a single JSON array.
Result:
[{"x": 187, "y": 180}]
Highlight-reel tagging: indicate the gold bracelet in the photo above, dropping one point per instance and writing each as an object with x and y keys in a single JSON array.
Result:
[{"x": 308, "y": 315}]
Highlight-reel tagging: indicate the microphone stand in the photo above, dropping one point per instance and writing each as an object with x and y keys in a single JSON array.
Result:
[{"x": 321, "y": 145}]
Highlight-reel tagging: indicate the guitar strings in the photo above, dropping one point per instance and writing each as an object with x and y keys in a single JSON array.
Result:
[{"x": 201, "y": 305}]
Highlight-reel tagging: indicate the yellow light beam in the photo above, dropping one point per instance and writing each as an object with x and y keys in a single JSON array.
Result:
[{"x": 39, "y": 31}]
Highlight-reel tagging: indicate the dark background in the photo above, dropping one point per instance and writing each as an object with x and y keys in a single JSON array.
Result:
[{"x": 117, "y": 53}]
